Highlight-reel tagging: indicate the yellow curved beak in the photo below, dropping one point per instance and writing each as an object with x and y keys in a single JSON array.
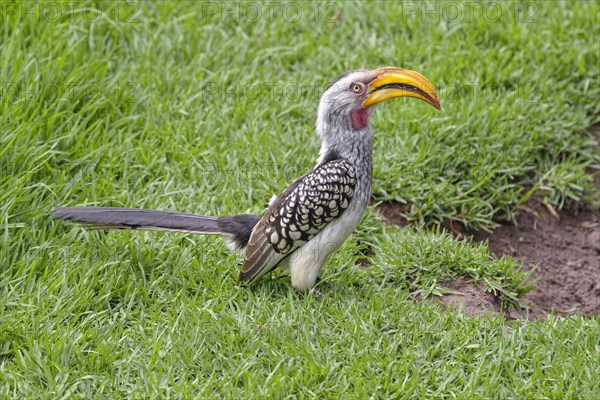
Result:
[{"x": 391, "y": 82}]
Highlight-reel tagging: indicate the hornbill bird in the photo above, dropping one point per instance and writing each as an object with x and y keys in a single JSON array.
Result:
[{"x": 312, "y": 217}]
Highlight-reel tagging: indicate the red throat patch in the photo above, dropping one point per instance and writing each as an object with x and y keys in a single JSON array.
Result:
[{"x": 360, "y": 117}]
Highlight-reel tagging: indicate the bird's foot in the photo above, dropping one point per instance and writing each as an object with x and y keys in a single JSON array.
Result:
[
  {"x": 321, "y": 288},
  {"x": 324, "y": 284}
]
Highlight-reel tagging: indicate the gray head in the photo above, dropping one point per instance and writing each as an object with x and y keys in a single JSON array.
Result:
[{"x": 348, "y": 101}]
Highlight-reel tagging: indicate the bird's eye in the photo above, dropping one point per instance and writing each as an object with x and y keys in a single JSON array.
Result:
[{"x": 356, "y": 88}]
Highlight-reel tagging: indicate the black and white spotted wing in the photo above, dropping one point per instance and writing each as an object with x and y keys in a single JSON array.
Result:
[{"x": 297, "y": 215}]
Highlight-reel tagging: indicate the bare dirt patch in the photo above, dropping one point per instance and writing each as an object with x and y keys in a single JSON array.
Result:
[
  {"x": 562, "y": 248},
  {"x": 470, "y": 298},
  {"x": 565, "y": 253},
  {"x": 391, "y": 212}
]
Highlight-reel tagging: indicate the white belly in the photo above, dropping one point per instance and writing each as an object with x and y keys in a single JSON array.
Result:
[{"x": 305, "y": 263}]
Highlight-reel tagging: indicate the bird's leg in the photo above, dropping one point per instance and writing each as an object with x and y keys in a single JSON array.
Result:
[{"x": 284, "y": 266}]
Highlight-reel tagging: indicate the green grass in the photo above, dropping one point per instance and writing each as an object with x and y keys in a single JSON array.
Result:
[{"x": 180, "y": 105}]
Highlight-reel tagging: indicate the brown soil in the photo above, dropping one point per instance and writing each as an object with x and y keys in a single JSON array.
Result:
[
  {"x": 391, "y": 212},
  {"x": 470, "y": 299},
  {"x": 563, "y": 249},
  {"x": 565, "y": 253}
]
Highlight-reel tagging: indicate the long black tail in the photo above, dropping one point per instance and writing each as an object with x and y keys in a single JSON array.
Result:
[{"x": 237, "y": 227}]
